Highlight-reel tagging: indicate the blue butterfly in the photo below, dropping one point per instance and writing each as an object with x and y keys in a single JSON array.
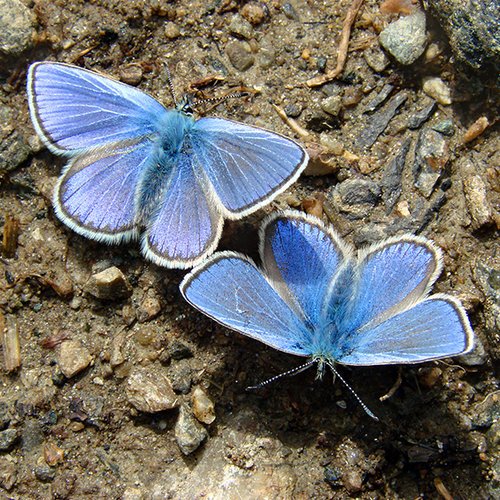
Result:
[
  {"x": 313, "y": 297},
  {"x": 136, "y": 166}
]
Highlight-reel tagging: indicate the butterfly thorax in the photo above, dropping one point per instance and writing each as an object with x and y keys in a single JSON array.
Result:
[{"x": 173, "y": 128}]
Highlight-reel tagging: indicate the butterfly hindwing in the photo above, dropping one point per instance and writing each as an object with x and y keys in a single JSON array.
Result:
[
  {"x": 247, "y": 166},
  {"x": 186, "y": 224},
  {"x": 434, "y": 328},
  {"x": 74, "y": 109},
  {"x": 231, "y": 290},
  {"x": 301, "y": 258},
  {"x": 95, "y": 195},
  {"x": 392, "y": 276}
]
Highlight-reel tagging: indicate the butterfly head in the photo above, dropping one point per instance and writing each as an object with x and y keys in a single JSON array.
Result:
[{"x": 185, "y": 105}]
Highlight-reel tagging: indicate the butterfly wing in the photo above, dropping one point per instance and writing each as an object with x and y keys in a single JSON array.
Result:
[
  {"x": 434, "y": 328},
  {"x": 301, "y": 257},
  {"x": 391, "y": 277},
  {"x": 187, "y": 224},
  {"x": 95, "y": 195},
  {"x": 230, "y": 289},
  {"x": 247, "y": 166},
  {"x": 74, "y": 109}
]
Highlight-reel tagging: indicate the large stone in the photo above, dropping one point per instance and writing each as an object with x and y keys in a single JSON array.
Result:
[
  {"x": 150, "y": 390},
  {"x": 72, "y": 358},
  {"x": 189, "y": 433},
  {"x": 17, "y": 27},
  {"x": 405, "y": 39},
  {"x": 110, "y": 284}
]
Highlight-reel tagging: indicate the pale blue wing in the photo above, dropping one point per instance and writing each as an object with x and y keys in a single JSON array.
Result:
[
  {"x": 246, "y": 165},
  {"x": 76, "y": 109},
  {"x": 391, "y": 277},
  {"x": 231, "y": 290},
  {"x": 435, "y": 328},
  {"x": 95, "y": 195},
  {"x": 301, "y": 257},
  {"x": 186, "y": 223}
]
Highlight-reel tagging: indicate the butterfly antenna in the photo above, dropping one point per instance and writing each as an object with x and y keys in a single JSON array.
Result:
[
  {"x": 171, "y": 86},
  {"x": 358, "y": 399},
  {"x": 217, "y": 100},
  {"x": 293, "y": 371}
]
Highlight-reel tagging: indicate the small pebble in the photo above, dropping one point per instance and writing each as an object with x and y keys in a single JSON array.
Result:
[
  {"x": 179, "y": 350},
  {"x": 417, "y": 119},
  {"x": 131, "y": 74},
  {"x": 203, "y": 406},
  {"x": 437, "y": 89},
  {"x": 292, "y": 110},
  {"x": 476, "y": 129},
  {"x": 7, "y": 439},
  {"x": 172, "y": 31},
  {"x": 406, "y": 38},
  {"x": 150, "y": 390},
  {"x": 444, "y": 127},
  {"x": 8, "y": 474},
  {"x": 241, "y": 27},
  {"x": 189, "y": 433},
  {"x": 254, "y": 12},
  {"x": 44, "y": 473},
  {"x": 475, "y": 191},
  {"x": 290, "y": 11},
  {"x": 332, "y": 105},
  {"x": 353, "y": 481},
  {"x": 240, "y": 55},
  {"x": 52, "y": 454},
  {"x": 376, "y": 59},
  {"x": 72, "y": 358},
  {"x": 150, "y": 307},
  {"x": 110, "y": 284}
]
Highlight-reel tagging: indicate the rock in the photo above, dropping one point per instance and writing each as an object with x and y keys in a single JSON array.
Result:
[
  {"x": 475, "y": 192},
  {"x": 5, "y": 416},
  {"x": 431, "y": 156},
  {"x": 181, "y": 376},
  {"x": 131, "y": 493},
  {"x": 391, "y": 178},
  {"x": 240, "y": 55},
  {"x": 189, "y": 433},
  {"x": 110, "y": 284},
  {"x": 353, "y": 481},
  {"x": 44, "y": 472},
  {"x": 131, "y": 74},
  {"x": 17, "y": 27},
  {"x": 290, "y": 12},
  {"x": 417, "y": 119},
  {"x": 8, "y": 474},
  {"x": 7, "y": 439},
  {"x": 150, "y": 307},
  {"x": 179, "y": 350},
  {"x": 72, "y": 358},
  {"x": 379, "y": 120},
  {"x": 13, "y": 148},
  {"x": 203, "y": 406},
  {"x": 356, "y": 197},
  {"x": 476, "y": 357},
  {"x": 254, "y": 12},
  {"x": 150, "y": 390},
  {"x": 292, "y": 110},
  {"x": 486, "y": 412},
  {"x": 435, "y": 87},
  {"x": 379, "y": 99},
  {"x": 405, "y": 39},
  {"x": 376, "y": 59},
  {"x": 172, "y": 31},
  {"x": 473, "y": 31},
  {"x": 332, "y": 105},
  {"x": 444, "y": 127},
  {"x": 241, "y": 27}
]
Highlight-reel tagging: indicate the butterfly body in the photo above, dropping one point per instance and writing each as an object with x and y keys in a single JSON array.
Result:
[{"x": 138, "y": 169}]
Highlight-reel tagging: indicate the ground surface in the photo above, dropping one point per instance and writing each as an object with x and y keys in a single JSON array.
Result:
[{"x": 80, "y": 437}]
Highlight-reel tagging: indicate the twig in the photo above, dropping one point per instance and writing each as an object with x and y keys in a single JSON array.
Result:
[
  {"x": 394, "y": 388},
  {"x": 343, "y": 45},
  {"x": 291, "y": 123}
]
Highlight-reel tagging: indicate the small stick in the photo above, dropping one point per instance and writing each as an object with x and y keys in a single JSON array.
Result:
[
  {"x": 343, "y": 45},
  {"x": 394, "y": 388},
  {"x": 291, "y": 122}
]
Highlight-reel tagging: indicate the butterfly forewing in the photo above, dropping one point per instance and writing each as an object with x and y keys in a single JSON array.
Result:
[
  {"x": 232, "y": 290},
  {"x": 247, "y": 166},
  {"x": 74, "y": 109}
]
